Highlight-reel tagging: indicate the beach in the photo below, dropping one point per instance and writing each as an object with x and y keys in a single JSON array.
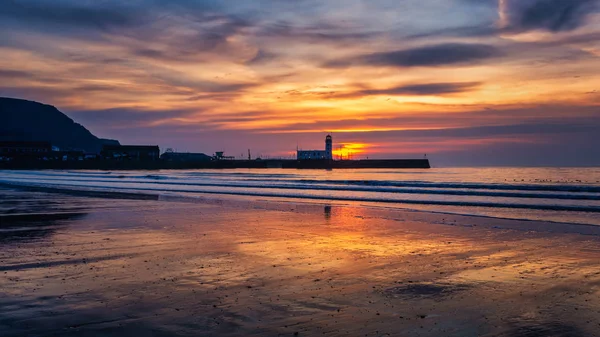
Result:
[{"x": 114, "y": 265}]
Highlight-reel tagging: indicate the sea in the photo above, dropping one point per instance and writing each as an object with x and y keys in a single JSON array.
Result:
[{"x": 563, "y": 195}]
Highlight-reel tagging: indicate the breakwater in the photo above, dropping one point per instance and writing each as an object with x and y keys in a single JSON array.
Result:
[{"x": 218, "y": 164}]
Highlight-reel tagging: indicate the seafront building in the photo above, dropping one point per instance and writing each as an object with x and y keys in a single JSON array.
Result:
[
  {"x": 24, "y": 148},
  {"x": 135, "y": 152},
  {"x": 172, "y": 156},
  {"x": 327, "y": 154}
]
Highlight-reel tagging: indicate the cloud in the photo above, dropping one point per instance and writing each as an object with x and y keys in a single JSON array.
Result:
[
  {"x": 6, "y": 73},
  {"x": 429, "y": 56},
  {"x": 177, "y": 30},
  {"x": 428, "y": 89},
  {"x": 436, "y": 121},
  {"x": 191, "y": 38},
  {"x": 262, "y": 57},
  {"x": 461, "y": 32},
  {"x": 42, "y": 94},
  {"x": 539, "y": 128},
  {"x": 60, "y": 13},
  {"x": 127, "y": 118},
  {"x": 315, "y": 33},
  {"x": 550, "y": 15}
]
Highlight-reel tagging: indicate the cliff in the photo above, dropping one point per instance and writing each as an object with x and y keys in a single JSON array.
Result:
[{"x": 23, "y": 120}]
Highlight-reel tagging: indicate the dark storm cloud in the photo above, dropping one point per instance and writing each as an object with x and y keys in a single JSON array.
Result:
[
  {"x": 428, "y": 56},
  {"x": 428, "y": 89},
  {"x": 551, "y": 15}
]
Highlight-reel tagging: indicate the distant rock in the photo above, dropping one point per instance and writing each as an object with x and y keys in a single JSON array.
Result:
[
  {"x": 109, "y": 141},
  {"x": 32, "y": 121}
]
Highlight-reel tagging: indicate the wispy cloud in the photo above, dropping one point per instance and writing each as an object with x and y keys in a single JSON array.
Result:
[
  {"x": 426, "y": 89},
  {"x": 448, "y": 54},
  {"x": 551, "y": 15}
]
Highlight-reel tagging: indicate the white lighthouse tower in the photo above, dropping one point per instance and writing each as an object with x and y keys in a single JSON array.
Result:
[
  {"x": 328, "y": 147},
  {"x": 318, "y": 154}
]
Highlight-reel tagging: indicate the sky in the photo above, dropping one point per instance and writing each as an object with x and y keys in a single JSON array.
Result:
[{"x": 466, "y": 82}]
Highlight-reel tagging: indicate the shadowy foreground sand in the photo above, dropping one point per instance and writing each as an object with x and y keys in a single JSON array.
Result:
[{"x": 82, "y": 266}]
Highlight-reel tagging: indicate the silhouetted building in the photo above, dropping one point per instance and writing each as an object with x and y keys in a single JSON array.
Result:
[
  {"x": 318, "y": 154},
  {"x": 131, "y": 152},
  {"x": 68, "y": 155},
  {"x": 220, "y": 155},
  {"x": 24, "y": 149},
  {"x": 184, "y": 157}
]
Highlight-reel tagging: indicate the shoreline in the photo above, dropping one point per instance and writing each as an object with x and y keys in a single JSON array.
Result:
[{"x": 219, "y": 198}]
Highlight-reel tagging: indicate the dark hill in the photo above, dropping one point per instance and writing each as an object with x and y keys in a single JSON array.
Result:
[{"x": 22, "y": 120}]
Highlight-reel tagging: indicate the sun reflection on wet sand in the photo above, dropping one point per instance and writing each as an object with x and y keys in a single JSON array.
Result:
[{"x": 177, "y": 268}]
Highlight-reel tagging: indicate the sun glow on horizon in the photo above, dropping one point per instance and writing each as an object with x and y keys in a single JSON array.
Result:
[{"x": 350, "y": 150}]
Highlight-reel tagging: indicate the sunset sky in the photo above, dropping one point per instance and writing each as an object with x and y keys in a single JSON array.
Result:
[{"x": 468, "y": 82}]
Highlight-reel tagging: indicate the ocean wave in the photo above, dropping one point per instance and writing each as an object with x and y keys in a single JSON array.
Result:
[
  {"x": 238, "y": 174},
  {"x": 301, "y": 179},
  {"x": 466, "y": 185},
  {"x": 111, "y": 189},
  {"x": 290, "y": 185},
  {"x": 151, "y": 176}
]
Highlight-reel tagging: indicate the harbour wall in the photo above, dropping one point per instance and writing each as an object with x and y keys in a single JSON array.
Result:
[{"x": 219, "y": 164}]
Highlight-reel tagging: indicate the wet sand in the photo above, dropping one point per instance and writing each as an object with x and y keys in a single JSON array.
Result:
[{"x": 90, "y": 266}]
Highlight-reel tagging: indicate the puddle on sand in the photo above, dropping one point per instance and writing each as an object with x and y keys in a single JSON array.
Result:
[
  {"x": 531, "y": 328},
  {"x": 430, "y": 290}
]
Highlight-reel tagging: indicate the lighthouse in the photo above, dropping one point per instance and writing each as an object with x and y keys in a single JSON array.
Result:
[
  {"x": 328, "y": 147},
  {"x": 318, "y": 154}
]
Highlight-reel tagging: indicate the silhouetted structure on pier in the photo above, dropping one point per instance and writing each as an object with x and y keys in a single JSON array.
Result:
[
  {"x": 184, "y": 157},
  {"x": 130, "y": 152},
  {"x": 24, "y": 149}
]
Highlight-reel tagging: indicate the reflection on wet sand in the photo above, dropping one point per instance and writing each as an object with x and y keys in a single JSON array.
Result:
[
  {"x": 153, "y": 268},
  {"x": 327, "y": 212},
  {"x": 26, "y": 216},
  {"x": 30, "y": 228}
]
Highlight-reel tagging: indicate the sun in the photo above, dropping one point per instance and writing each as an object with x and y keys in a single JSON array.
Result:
[{"x": 349, "y": 150}]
